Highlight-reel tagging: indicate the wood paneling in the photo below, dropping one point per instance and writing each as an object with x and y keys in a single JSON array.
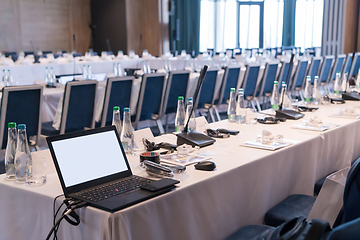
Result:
[
  {"x": 48, "y": 24},
  {"x": 351, "y": 26},
  {"x": 144, "y": 18}
]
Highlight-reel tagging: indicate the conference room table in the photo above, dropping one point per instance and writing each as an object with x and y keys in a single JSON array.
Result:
[{"x": 206, "y": 205}]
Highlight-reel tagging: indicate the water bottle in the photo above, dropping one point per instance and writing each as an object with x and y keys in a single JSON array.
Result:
[
  {"x": 23, "y": 160},
  {"x": 240, "y": 108},
  {"x": 148, "y": 67},
  {"x": 115, "y": 70},
  {"x": 307, "y": 91},
  {"x": 52, "y": 78},
  {"x": 84, "y": 73},
  {"x": 189, "y": 107},
  {"x": 344, "y": 83},
  {"x": 231, "y": 112},
  {"x": 116, "y": 121},
  {"x": 284, "y": 97},
  {"x": 120, "y": 70},
  {"x": 180, "y": 115},
  {"x": 275, "y": 96},
  {"x": 47, "y": 80},
  {"x": 316, "y": 92},
  {"x": 337, "y": 84},
  {"x": 89, "y": 73},
  {"x": 10, "y": 80},
  {"x": 4, "y": 78},
  {"x": 10, "y": 151},
  {"x": 127, "y": 136},
  {"x": 144, "y": 67}
]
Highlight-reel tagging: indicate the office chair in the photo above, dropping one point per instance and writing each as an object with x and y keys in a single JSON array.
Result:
[
  {"x": 270, "y": 73},
  {"x": 117, "y": 93},
  {"x": 77, "y": 108},
  {"x": 325, "y": 69},
  {"x": 347, "y": 64},
  {"x": 337, "y": 67},
  {"x": 355, "y": 66},
  {"x": 251, "y": 80},
  {"x": 314, "y": 68}
]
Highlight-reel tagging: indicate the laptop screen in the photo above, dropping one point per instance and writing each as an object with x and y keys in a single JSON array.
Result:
[{"x": 89, "y": 157}]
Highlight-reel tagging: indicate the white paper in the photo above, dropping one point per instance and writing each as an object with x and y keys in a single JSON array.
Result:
[
  {"x": 272, "y": 146},
  {"x": 313, "y": 128}
]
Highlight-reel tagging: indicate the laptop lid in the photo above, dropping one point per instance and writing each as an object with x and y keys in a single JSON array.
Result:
[{"x": 88, "y": 158}]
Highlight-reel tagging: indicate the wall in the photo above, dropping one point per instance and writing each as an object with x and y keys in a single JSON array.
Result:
[
  {"x": 351, "y": 26},
  {"x": 49, "y": 24},
  {"x": 143, "y": 17}
]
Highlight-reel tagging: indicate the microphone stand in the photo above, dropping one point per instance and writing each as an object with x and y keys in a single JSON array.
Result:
[
  {"x": 74, "y": 56},
  {"x": 288, "y": 113},
  {"x": 195, "y": 138},
  {"x": 348, "y": 95}
]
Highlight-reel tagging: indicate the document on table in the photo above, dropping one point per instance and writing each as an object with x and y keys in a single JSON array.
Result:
[
  {"x": 271, "y": 146},
  {"x": 314, "y": 128},
  {"x": 182, "y": 160},
  {"x": 337, "y": 115}
]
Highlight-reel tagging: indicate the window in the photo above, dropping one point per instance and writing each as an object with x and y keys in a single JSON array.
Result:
[
  {"x": 257, "y": 23},
  {"x": 308, "y": 23},
  {"x": 240, "y": 23}
]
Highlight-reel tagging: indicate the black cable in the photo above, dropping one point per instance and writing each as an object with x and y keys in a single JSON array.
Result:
[
  {"x": 55, "y": 214},
  {"x": 55, "y": 231},
  {"x": 58, "y": 222}
]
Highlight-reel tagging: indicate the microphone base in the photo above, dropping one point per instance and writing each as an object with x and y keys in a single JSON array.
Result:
[
  {"x": 288, "y": 114},
  {"x": 194, "y": 138},
  {"x": 351, "y": 96}
]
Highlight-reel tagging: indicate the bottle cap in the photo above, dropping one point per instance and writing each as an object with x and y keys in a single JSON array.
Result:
[
  {"x": 126, "y": 109},
  {"x": 232, "y": 89},
  {"x": 316, "y": 77},
  {"x": 189, "y": 98},
  {"x": 21, "y": 126},
  {"x": 181, "y": 98},
  {"x": 11, "y": 125},
  {"x": 46, "y": 68},
  {"x": 276, "y": 82},
  {"x": 116, "y": 108},
  {"x": 308, "y": 78},
  {"x": 241, "y": 90}
]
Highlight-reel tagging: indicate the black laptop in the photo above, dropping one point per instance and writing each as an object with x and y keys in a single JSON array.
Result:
[{"x": 92, "y": 166}]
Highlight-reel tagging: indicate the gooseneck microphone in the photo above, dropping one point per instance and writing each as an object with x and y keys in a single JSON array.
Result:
[
  {"x": 140, "y": 46},
  {"x": 287, "y": 80},
  {"x": 201, "y": 80},
  {"x": 195, "y": 138},
  {"x": 108, "y": 45},
  {"x": 74, "y": 42}
]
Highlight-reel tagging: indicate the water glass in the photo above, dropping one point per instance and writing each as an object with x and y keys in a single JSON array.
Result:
[
  {"x": 251, "y": 116},
  {"x": 37, "y": 174}
]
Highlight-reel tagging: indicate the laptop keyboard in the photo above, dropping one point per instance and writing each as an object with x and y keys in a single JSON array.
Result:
[{"x": 122, "y": 186}]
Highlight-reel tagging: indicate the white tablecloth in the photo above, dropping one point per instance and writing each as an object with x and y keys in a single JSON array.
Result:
[{"x": 207, "y": 205}]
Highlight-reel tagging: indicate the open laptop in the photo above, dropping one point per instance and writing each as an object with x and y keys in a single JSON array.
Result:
[{"x": 92, "y": 166}]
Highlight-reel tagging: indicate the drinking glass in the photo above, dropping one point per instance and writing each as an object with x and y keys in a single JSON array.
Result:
[{"x": 36, "y": 176}]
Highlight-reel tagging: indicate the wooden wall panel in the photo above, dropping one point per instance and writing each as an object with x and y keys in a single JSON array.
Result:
[
  {"x": 49, "y": 24},
  {"x": 351, "y": 26},
  {"x": 143, "y": 18}
]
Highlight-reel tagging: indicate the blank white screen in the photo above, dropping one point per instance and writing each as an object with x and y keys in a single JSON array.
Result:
[{"x": 86, "y": 158}]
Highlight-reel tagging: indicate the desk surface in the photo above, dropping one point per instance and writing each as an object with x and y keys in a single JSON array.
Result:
[{"x": 207, "y": 205}]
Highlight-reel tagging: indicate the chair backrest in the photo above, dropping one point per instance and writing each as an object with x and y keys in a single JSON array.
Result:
[
  {"x": 284, "y": 70},
  {"x": 177, "y": 85},
  {"x": 78, "y": 106},
  {"x": 206, "y": 95},
  {"x": 355, "y": 65},
  {"x": 269, "y": 77},
  {"x": 230, "y": 80},
  {"x": 251, "y": 80},
  {"x": 300, "y": 74},
  {"x": 347, "y": 64},
  {"x": 314, "y": 68},
  {"x": 151, "y": 97},
  {"x": 325, "y": 69},
  {"x": 337, "y": 67},
  {"x": 8, "y": 54},
  {"x": 21, "y": 105},
  {"x": 117, "y": 93},
  {"x": 351, "y": 197},
  {"x": 346, "y": 231}
]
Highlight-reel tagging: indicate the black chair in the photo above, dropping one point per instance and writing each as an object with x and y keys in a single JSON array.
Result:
[
  {"x": 347, "y": 64},
  {"x": 77, "y": 54},
  {"x": 176, "y": 85},
  {"x": 117, "y": 93},
  {"x": 250, "y": 83},
  {"x": 299, "y": 77},
  {"x": 354, "y": 70},
  {"x": 28, "y": 53},
  {"x": 230, "y": 80},
  {"x": 314, "y": 68},
  {"x": 13, "y": 56},
  {"x": 337, "y": 67},
  {"x": 21, "y": 105},
  {"x": 151, "y": 98},
  {"x": 287, "y": 210},
  {"x": 8, "y": 54},
  {"x": 77, "y": 108},
  {"x": 325, "y": 69},
  {"x": 206, "y": 98},
  {"x": 269, "y": 77},
  {"x": 284, "y": 70}
]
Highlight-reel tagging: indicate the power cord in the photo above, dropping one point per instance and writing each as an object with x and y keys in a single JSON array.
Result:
[{"x": 71, "y": 205}]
